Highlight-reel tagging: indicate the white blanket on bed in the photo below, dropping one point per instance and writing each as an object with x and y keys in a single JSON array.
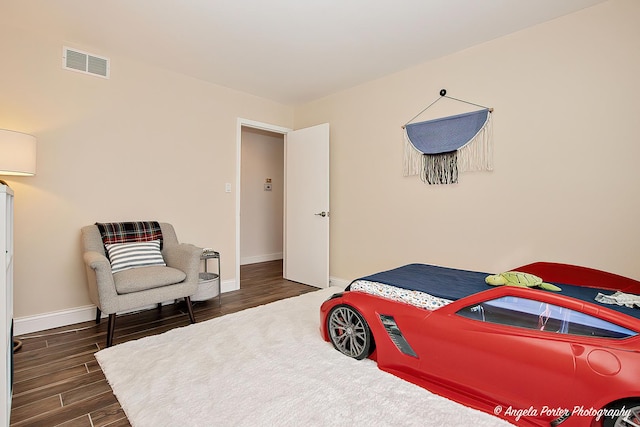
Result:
[
  {"x": 619, "y": 298},
  {"x": 417, "y": 298}
]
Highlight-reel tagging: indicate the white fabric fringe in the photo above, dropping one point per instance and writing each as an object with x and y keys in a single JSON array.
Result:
[
  {"x": 412, "y": 161},
  {"x": 477, "y": 154}
]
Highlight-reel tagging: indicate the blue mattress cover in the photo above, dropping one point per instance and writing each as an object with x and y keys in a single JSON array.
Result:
[{"x": 453, "y": 284}]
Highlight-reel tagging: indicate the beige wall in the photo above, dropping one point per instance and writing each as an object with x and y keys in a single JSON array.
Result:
[
  {"x": 145, "y": 144},
  {"x": 261, "y": 211},
  {"x": 565, "y": 184}
]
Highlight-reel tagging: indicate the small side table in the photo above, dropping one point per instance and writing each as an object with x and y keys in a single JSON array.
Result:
[{"x": 207, "y": 278}]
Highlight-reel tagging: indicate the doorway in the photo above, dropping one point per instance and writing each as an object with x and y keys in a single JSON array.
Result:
[
  {"x": 262, "y": 196},
  {"x": 259, "y": 203},
  {"x": 306, "y": 200}
]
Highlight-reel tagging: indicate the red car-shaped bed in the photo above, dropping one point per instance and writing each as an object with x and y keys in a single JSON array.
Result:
[{"x": 532, "y": 357}]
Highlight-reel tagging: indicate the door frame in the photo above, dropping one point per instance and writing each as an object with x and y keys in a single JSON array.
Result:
[{"x": 260, "y": 126}]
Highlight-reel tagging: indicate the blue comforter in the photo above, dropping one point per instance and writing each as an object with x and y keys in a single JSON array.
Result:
[{"x": 453, "y": 284}]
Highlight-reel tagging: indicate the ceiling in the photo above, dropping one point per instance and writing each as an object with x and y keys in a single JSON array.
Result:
[{"x": 289, "y": 51}]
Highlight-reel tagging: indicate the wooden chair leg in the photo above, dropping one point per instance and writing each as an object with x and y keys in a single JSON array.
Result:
[
  {"x": 110, "y": 329},
  {"x": 98, "y": 314},
  {"x": 190, "y": 309}
]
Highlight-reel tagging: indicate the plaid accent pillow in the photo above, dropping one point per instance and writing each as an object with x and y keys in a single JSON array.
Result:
[
  {"x": 128, "y": 232},
  {"x": 124, "y": 256}
]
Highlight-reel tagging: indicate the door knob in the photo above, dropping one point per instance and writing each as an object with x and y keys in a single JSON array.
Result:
[{"x": 322, "y": 214}]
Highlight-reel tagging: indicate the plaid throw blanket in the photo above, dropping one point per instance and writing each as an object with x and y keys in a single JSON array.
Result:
[{"x": 127, "y": 232}]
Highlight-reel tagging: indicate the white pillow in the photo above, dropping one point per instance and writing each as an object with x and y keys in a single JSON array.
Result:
[{"x": 130, "y": 255}]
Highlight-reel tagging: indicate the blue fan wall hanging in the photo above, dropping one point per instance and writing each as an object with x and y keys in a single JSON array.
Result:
[{"x": 438, "y": 149}]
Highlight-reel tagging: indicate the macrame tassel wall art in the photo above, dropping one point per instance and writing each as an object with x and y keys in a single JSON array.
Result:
[{"x": 437, "y": 150}]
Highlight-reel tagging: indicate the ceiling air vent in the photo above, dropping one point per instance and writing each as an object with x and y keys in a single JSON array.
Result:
[{"x": 76, "y": 60}]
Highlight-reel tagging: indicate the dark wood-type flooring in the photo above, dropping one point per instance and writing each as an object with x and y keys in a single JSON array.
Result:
[{"x": 58, "y": 382}]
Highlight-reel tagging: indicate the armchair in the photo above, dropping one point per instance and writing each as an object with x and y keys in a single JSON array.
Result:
[{"x": 140, "y": 286}]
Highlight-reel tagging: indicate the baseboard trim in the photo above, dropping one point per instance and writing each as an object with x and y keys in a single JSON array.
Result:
[
  {"x": 261, "y": 258},
  {"x": 336, "y": 281},
  {"x": 55, "y": 319},
  {"x": 230, "y": 285}
]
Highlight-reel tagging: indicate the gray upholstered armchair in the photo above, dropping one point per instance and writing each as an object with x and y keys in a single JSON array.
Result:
[{"x": 132, "y": 288}]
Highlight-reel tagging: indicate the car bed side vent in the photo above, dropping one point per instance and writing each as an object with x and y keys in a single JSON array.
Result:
[
  {"x": 396, "y": 336},
  {"x": 84, "y": 62}
]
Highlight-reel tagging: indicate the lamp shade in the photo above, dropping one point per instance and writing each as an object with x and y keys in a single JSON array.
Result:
[{"x": 17, "y": 153}]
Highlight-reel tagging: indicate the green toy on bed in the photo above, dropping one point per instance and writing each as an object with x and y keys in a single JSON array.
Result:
[{"x": 523, "y": 280}]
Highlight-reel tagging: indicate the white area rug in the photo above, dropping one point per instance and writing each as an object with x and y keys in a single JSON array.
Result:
[{"x": 266, "y": 366}]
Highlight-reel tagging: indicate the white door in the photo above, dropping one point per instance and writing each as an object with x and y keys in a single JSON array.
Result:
[{"x": 306, "y": 248}]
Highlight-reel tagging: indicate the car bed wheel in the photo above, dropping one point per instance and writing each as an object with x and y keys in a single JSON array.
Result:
[
  {"x": 630, "y": 416},
  {"x": 349, "y": 332}
]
